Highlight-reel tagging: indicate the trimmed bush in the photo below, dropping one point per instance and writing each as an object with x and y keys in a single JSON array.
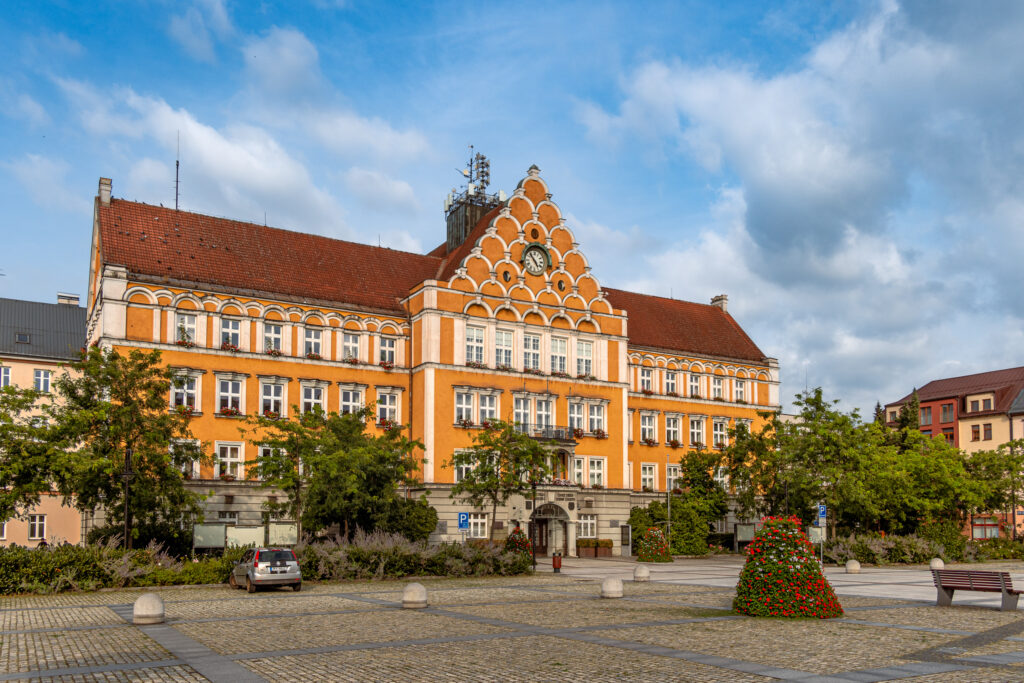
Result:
[
  {"x": 517, "y": 542},
  {"x": 586, "y": 542},
  {"x": 653, "y": 547},
  {"x": 782, "y": 578}
]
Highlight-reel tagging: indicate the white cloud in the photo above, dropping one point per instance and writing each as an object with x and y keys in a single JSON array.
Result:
[
  {"x": 23, "y": 107},
  {"x": 352, "y": 135},
  {"x": 198, "y": 28},
  {"x": 282, "y": 62},
  {"x": 44, "y": 179},
  {"x": 378, "y": 191}
]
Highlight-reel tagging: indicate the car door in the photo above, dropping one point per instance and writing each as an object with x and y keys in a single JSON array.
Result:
[{"x": 242, "y": 567}]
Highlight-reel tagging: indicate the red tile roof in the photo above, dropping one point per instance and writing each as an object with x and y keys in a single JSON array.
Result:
[
  {"x": 662, "y": 323},
  {"x": 1006, "y": 384},
  {"x": 160, "y": 242}
]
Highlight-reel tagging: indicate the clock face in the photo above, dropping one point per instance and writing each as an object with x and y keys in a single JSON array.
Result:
[{"x": 535, "y": 260}]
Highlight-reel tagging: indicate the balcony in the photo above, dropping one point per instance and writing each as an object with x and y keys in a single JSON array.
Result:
[{"x": 546, "y": 432}]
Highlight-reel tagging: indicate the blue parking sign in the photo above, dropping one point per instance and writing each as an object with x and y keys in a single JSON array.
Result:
[
  {"x": 822, "y": 510},
  {"x": 463, "y": 521}
]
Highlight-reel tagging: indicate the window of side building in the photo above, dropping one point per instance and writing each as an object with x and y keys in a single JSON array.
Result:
[
  {"x": 975, "y": 432},
  {"x": 37, "y": 527},
  {"x": 588, "y": 526},
  {"x": 5, "y": 377},
  {"x": 987, "y": 431},
  {"x": 926, "y": 415},
  {"x": 477, "y": 525},
  {"x": 974, "y": 406},
  {"x": 41, "y": 381},
  {"x": 947, "y": 432},
  {"x": 986, "y": 404},
  {"x": 946, "y": 412}
]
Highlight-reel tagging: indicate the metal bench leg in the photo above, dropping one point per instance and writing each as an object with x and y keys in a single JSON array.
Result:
[
  {"x": 1009, "y": 602},
  {"x": 945, "y": 597}
]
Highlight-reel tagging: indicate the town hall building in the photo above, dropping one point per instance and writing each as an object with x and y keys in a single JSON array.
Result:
[{"x": 503, "y": 320}]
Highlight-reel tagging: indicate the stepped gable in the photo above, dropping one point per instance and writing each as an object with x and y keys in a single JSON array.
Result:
[
  {"x": 660, "y": 323},
  {"x": 161, "y": 244}
]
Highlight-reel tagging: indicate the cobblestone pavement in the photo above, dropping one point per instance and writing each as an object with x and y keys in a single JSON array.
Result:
[{"x": 545, "y": 627}]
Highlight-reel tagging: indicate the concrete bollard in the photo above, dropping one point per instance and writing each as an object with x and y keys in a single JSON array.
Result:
[
  {"x": 642, "y": 573},
  {"x": 414, "y": 596},
  {"x": 148, "y": 609},
  {"x": 611, "y": 588},
  {"x": 852, "y": 567},
  {"x": 936, "y": 563}
]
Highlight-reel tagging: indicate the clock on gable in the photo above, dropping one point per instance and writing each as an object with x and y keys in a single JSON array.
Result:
[{"x": 536, "y": 259}]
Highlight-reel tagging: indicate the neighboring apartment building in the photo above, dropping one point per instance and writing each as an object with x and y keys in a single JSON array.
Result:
[
  {"x": 976, "y": 413},
  {"x": 503, "y": 320},
  {"x": 35, "y": 339}
]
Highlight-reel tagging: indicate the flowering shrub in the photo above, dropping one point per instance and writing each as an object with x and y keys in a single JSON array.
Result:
[
  {"x": 782, "y": 578},
  {"x": 653, "y": 547},
  {"x": 517, "y": 542}
]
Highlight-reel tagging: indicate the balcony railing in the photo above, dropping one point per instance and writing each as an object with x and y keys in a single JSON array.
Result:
[{"x": 545, "y": 431}]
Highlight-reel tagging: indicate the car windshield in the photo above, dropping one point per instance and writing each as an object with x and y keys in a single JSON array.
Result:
[{"x": 276, "y": 556}]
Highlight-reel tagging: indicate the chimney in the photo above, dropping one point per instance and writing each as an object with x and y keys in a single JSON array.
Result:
[
  {"x": 721, "y": 301},
  {"x": 105, "y": 191},
  {"x": 67, "y": 299}
]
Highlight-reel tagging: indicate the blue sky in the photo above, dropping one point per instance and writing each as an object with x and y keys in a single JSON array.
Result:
[{"x": 849, "y": 174}]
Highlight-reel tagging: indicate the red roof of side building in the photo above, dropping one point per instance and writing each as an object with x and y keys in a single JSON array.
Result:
[
  {"x": 702, "y": 329},
  {"x": 1006, "y": 384},
  {"x": 158, "y": 242}
]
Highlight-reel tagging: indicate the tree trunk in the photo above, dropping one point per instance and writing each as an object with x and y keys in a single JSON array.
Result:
[{"x": 494, "y": 516}]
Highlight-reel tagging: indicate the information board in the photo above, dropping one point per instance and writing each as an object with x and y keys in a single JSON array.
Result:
[
  {"x": 208, "y": 535},
  {"x": 282, "y": 533},
  {"x": 245, "y": 535}
]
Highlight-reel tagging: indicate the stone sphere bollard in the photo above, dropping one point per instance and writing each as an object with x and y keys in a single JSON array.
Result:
[
  {"x": 852, "y": 567},
  {"x": 936, "y": 563},
  {"x": 148, "y": 609},
  {"x": 414, "y": 596},
  {"x": 642, "y": 573},
  {"x": 611, "y": 588}
]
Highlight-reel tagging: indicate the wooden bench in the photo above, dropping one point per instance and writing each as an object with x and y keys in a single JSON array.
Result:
[{"x": 949, "y": 580}]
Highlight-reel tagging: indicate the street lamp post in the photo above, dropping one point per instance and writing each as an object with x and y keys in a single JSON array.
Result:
[
  {"x": 127, "y": 476},
  {"x": 668, "y": 491},
  {"x": 533, "y": 524}
]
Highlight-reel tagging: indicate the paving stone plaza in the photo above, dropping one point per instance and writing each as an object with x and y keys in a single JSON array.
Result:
[{"x": 546, "y": 627}]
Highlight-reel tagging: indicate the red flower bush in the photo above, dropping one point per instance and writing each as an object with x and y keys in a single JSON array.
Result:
[
  {"x": 653, "y": 547},
  {"x": 782, "y": 578}
]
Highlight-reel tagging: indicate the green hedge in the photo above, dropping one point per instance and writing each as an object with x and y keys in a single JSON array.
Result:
[
  {"x": 914, "y": 549},
  {"x": 65, "y": 568}
]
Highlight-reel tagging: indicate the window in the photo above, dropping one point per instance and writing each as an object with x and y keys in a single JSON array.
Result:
[
  {"x": 892, "y": 415},
  {"x": 696, "y": 432},
  {"x": 351, "y": 400},
  {"x": 185, "y": 324},
  {"x": 647, "y": 476},
  {"x": 577, "y": 470},
  {"x": 488, "y": 407},
  {"x": 531, "y": 352},
  {"x": 313, "y": 342},
  {"x": 474, "y": 345},
  {"x": 719, "y": 434},
  {"x": 947, "y": 413},
  {"x": 503, "y": 348},
  {"x": 22, "y": 338},
  {"x": 271, "y": 337},
  {"x": 463, "y": 407},
  {"x": 588, "y": 526},
  {"x": 926, "y": 432},
  {"x": 647, "y": 430},
  {"x": 229, "y": 460},
  {"x": 671, "y": 475},
  {"x": 741, "y": 390},
  {"x": 229, "y": 396},
  {"x": 670, "y": 382},
  {"x": 42, "y": 381},
  {"x": 716, "y": 387},
  {"x": 558, "y": 350},
  {"x": 926, "y": 415},
  {"x": 975, "y": 432},
  {"x": 947, "y": 432},
  {"x": 596, "y": 417},
  {"x": 722, "y": 477},
  {"x": 312, "y": 397},
  {"x": 543, "y": 413},
  {"x": 387, "y": 350},
  {"x": 974, "y": 406},
  {"x": 986, "y": 404},
  {"x": 987, "y": 429},
  {"x": 387, "y": 407},
  {"x": 646, "y": 381},
  {"x": 576, "y": 416},
  {"x": 521, "y": 410},
  {"x": 477, "y": 525},
  {"x": 272, "y": 399},
  {"x": 228, "y": 517},
  {"x": 597, "y": 471},
  {"x": 462, "y": 471},
  {"x": 694, "y": 386},
  {"x": 37, "y": 527},
  {"x": 183, "y": 393},
  {"x": 5, "y": 377},
  {"x": 584, "y": 358},
  {"x": 672, "y": 429},
  {"x": 350, "y": 346},
  {"x": 984, "y": 527},
  {"x": 230, "y": 333}
]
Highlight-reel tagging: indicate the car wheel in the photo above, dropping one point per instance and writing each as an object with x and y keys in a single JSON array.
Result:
[
  {"x": 297, "y": 587},
  {"x": 232, "y": 582},
  {"x": 249, "y": 585}
]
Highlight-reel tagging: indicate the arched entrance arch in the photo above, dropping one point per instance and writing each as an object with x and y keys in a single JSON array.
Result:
[{"x": 549, "y": 526}]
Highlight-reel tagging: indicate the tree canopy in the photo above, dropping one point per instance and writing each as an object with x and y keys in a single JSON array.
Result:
[{"x": 26, "y": 460}]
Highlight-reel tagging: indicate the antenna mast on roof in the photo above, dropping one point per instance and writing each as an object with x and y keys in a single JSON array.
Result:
[
  {"x": 463, "y": 209},
  {"x": 177, "y": 165}
]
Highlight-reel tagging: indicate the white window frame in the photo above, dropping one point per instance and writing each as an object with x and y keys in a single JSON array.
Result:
[
  {"x": 278, "y": 393},
  {"x": 386, "y": 354},
  {"x": 350, "y": 398},
  {"x": 387, "y": 406},
  {"x": 504, "y": 347},
  {"x": 595, "y": 470},
  {"x": 193, "y": 467},
  {"x": 349, "y": 346},
  {"x": 717, "y": 388},
  {"x": 579, "y": 473},
  {"x": 672, "y": 429},
  {"x": 41, "y": 380},
  {"x": 694, "y": 385},
  {"x": 649, "y": 475},
  {"x": 235, "y": 462},
  {"x": 697, "y": 432},
  {"x": 521, "y": 409},
  {"x": 231, "y": 392},
  {"x": 531, "y": 352},
  {"x": 596, "y": 417},
  {"x": 37, "y": 527},
  {"x": 740, "y": 390},
  {"x": 672, "y": 473},
  {"x": 722, "y": 476},
  {"x": 228, "y": 517},
  {"x": 720, "y": 433},
  {"x": 5, "y": 377},
  {"x": 478, "y": 525},
  {"x": 312, "y": 394},
  {"x": 588, "y": 526},
  {"x": 184, "y": 322},
  {"x": 576, "y": 415},
  {"x": 488, "y": 407},
  {"x": 559, "y": 354},
  {"x": 187, "y": 393},
  {"x": 463, "y": 406},
  {"x": 649, "y": 427},
  {"x": 312, "y": 341},
  {"x": 646, "y": 379},
  {"x": 584, "y": 358},
  {"x": 273, "y": 337},
  {"x": 231, "y": 332},
  {"x": 544, "y": 412},
  {"x": 475, "y": 345},
  {"x": 670, "y": 382}
]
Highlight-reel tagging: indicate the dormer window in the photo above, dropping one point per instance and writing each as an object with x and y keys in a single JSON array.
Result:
[{"x": 22, "y": 338}]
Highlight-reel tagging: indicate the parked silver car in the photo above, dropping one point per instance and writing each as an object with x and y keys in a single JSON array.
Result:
[{"x": 267, "y": 567}]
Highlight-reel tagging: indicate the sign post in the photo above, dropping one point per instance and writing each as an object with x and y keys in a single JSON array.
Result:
[
  {"x": 822, "y": 518},
  {"x": 464, "y": 525}
]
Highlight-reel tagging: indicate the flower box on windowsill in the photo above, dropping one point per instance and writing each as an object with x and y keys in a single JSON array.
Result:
[
  {"x": 185, "y": 342},
  {"x": 561, "y": 375},
  {"x": 387, "y": 364},
  {"x": 647, "y": 392},
  {"x": 672, "y": 394},
  {"x": 351, "y": 360},
  {"x": 586, "y": 377},
  {"x": 486, "y": 424},
  {"x": 674, "y": 443},
  {"x": 577, "y": 433},
  {"x": 504, "y": 368},
  {"x": 314, "y": 356},
  {"x": 227, "y": 477},
  {"x": 647, "y": 489},
  {"x": 271, "y": 414},
  {"x": 599, "y": 434},
  {"x": 718, "y": 398},
  {"x": 228, "y": 346},
  {"x": 649, "y": 442},
  {"x": 597, "y": 487},
  {"x": 532, "y": 371},
  {"x": 185, "y": 410},
  {"x": 475, "y": 364},
  {"x": 741, "y": 401},
  {"x": 229, "y": 411},
  {"x": 697, "y": 446},
  {"x": 694, "y": 394},
  {"x": 464, "y": 423},
  {"x": 387, "y": 425},
  {"x": 274, "y": 352}
]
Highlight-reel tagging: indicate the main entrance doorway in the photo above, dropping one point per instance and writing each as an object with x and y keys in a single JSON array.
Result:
[{"x": 550, "y": 525}]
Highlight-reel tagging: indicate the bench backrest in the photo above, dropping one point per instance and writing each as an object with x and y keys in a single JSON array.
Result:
[{"x": 972, "y": 580}]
